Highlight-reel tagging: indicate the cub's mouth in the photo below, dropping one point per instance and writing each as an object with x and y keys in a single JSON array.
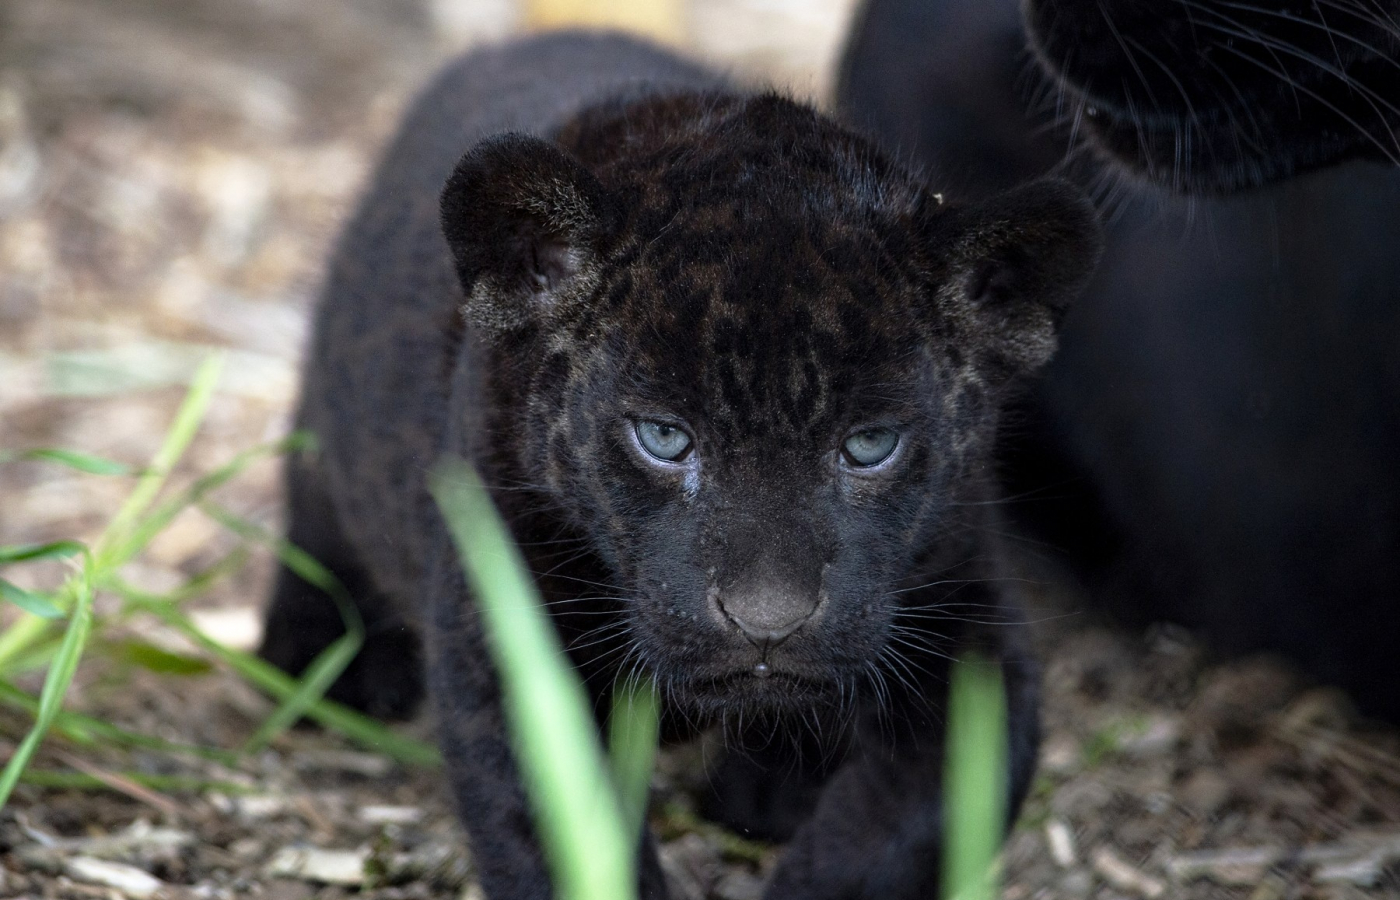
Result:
[{"x": 762, "y": 686}]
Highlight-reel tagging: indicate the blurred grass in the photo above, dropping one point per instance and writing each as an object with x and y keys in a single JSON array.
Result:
[
  {"x": 589, "y": 816},
  {"x": 974, "y": 782}
]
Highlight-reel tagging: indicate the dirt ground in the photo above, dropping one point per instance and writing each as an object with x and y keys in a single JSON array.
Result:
[{"x": 171, "y": 172}]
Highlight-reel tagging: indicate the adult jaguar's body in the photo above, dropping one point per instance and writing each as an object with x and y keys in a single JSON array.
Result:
[
  {"x": 1218, "y": 96},
  {"x": 1215, "y": 444}
]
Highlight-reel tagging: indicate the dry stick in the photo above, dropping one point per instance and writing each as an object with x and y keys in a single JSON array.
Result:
[{"x": 124, "y": 785}]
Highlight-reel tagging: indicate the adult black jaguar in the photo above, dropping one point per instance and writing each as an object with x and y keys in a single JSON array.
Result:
[{"x": 1221, "y": 429}]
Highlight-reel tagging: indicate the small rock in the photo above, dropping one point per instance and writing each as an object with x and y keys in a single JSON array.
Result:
[
  {"x": 1061, "y": 841},
  {"x": 391, "y": 815},
  {"x": 128, "y": 879},
  {"x": 344, "y": 867}
]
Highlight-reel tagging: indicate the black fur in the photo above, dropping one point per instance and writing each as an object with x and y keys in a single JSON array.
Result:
[
  {"x": 1212, "y": 96},
  {"x": 1217, "y": 441},
  {"x": 626, "y": 240}
]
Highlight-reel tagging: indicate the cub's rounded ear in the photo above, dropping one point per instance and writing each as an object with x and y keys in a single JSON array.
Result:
[
  {"x": 524, "y": 221},
  {"x": 1015, "y": 262}
]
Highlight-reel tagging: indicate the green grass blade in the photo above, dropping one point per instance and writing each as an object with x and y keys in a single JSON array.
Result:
[
  {"x": 20, "y": 638},
  {"x": 82, "y": 462},
  {"x": 97, "y": 567},
  {"x": 52, "y": 550},
  {"x": 159, "y": 518},
  {"x": 315, "y": 681},
  {"x": 587, "y": 843},
  {"x": 974, "y": 783},
  {"x": 35, "y": 655},
  {"x": 30, "y": 602},
  {"x": 177, "y": 439},
  {"x": 306, "y": 566},
  {"x": 151, "y": 525},
  {"x": 634, "y": 728},
  {"x": 157, "y": 659},
  {"x": 88, "y": 731},
  {"x": 327, "y": 666},
  {"x": 266, "y": 677},
  {"x": 56, "y": 683},
  {"x": 197, "y": 584},
  {"x": 172, "y": 784}
]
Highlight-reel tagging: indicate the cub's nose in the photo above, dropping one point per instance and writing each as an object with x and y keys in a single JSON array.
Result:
[{"x": 767, "y": 617}]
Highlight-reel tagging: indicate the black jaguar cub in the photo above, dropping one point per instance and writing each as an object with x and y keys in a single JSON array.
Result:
[{"x": 731, "y": 375}]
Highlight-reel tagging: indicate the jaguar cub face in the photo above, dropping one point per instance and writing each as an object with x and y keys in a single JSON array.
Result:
[{"x": 763, "y": 364}]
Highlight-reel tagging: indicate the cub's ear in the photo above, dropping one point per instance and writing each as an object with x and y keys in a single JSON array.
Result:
[
  {"x": 1015, "y": 262},
  {"x": 524, "y": 221}
]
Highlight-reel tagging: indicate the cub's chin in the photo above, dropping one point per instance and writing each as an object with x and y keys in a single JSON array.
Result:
[{"x": 762, "y": 689}]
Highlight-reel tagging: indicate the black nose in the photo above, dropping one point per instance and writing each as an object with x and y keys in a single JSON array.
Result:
[
  {"x": 768, "y": 617},
  {"x": 768, "y": 576}
]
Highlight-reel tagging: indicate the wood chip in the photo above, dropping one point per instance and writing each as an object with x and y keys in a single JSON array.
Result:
[
  {"x": 370, "y": 765},
  {"x": 1363, "y": 872},
  {"x": 1226, "y": 867},
  {"x": 1358, "y": 859},
  {"x": 344, "y": 867},
  {"x": 1117, "y": 872},
  {"x": 130, "y": 880},
  {"x": 391, "y": 815}
]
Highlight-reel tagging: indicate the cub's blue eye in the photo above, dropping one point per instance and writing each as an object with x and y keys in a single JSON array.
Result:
[
  {"x": 664, "y": 441},
  {"x": 870, "y": 447}
]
